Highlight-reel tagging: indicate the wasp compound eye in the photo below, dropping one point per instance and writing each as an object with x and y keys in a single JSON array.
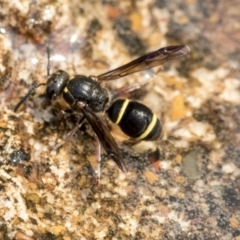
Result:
[{"x": 56, "y": 83}]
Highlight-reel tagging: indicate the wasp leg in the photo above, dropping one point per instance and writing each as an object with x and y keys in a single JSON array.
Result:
[
  {"x": 24, "y": 99},
  {"x": 56, "y": 119},
  {"x": 70, "y": 134},
  {"x": 98, "y": 158},
  {"x": 49, "y": 63}
]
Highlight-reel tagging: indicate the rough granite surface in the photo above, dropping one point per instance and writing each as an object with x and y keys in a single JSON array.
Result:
[{"x": 185, "y": 185}]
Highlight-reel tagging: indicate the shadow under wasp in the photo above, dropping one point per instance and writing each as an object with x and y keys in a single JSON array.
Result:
[{"x": 85, "y": 94}]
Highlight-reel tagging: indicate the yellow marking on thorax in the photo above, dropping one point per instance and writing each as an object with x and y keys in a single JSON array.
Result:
[
  {"x": 149, "y": 128},
  {"x": 123, "y": 108},
  {"x": 71, "y": 78}
]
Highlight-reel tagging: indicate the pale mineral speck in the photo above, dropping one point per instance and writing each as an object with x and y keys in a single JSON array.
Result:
[
  {"x": 160, "y": 219},
  {"x": 194, "y": 101},
  {"x": 200, "y": 183},
  {"x": 183, "y": 133},
  {"x": 173, "y": 190},
  {"x": 75, "y": 213},
  {"x": 38, "y": 146},
  {"x": 5, "y": 41},
  {"x": 100, "y": 233},
  {"x": 198, "y": 128},
  {"x": 144, "y": 146},
  {"x": 152, "y": 208},
  {"x": 122, "y": 176},
  {"x": 25, "y": 75},
  {"x": 40, "y": 116},
  {"x": 146, "y": 193},
  {"x": 165, "y": 165},
  {"x": 9, "y": 215},
  {"x": 29, "y": 49},
  {"x": 209, "y": 137},
  {"x": 29, "y": 233},
  {"x": 208, "y": 77},
  {"x": 122, "y": 225},
  {"x": 133, "y": 226},
  {"x": 96, "y": 205},
  {"x": 21, "y": 6},
  {"x": 181, "y": 144},
  {"x": 121, "y": 182},
  {"x": 68, "y": 225},
  {"x": 104, "y": 180},
  {"x": 205, "y": 208},
  {"x": 4, "y": 174},
  {"x": 180, "y": 218},
  {"x": 30, "y": 127},
  {"x": 2, "y": 30},
  {"x": 121, "y": 191},
  {"x": 58, "y": 58},
  {"x": 21, "y": 208},
  {"x": 58, "y": 171},
  {"x": 52, "y": 144},
  {"x": 177, "y": 169},
  {"x": 228, "y": 168},
  {"x": 50, "y": 198},
  {"x": 202, "y": 130},
  {"x": 231, "y": 91},
  {"x": 106, "y": 195},
  {"x": 48, "y": 13}
]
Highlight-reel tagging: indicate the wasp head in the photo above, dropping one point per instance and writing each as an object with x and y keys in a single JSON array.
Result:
[{"x": 56, "y": 83}]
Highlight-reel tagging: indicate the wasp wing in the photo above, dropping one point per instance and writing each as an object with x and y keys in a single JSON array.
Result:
[
  {"x": 104, "y": 135},
  {"x": 145, "y": 62}
]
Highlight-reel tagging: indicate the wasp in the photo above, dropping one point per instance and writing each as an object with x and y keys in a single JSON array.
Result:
[{"x": 85, "y": 94}]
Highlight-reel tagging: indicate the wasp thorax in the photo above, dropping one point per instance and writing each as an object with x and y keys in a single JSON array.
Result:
[{"x": 84, "y": 89}]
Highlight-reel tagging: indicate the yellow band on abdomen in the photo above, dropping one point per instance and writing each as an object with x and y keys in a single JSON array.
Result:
[
  {"x": 123, "y": 108},
  {"x": 149, "y": 128}
]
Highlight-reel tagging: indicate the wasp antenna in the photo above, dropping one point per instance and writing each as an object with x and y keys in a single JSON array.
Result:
[
  {"x": 49, "y": 63},
  {"x": 27, "y": 95}
]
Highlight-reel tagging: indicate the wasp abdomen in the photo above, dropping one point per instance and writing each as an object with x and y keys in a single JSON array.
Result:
[{"x": 135, "y": 119}]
